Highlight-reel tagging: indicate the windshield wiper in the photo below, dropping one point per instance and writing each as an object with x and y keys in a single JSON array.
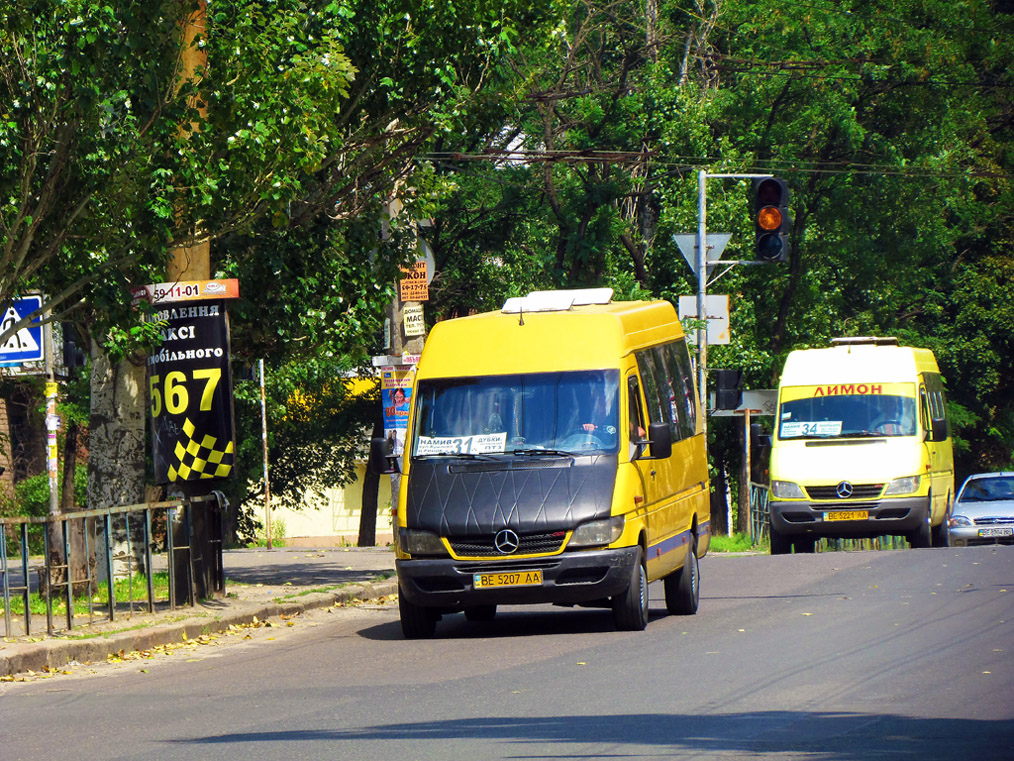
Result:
[{"x": 550, "y": 452}]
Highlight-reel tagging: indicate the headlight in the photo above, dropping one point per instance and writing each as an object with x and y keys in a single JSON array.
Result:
[
  {"x": 421, "y": 542},
  {"x": 786, "y": 490},
  {"x": 605, "y": 531},
  {"x": 902, "y": 486},
  {"x": 959, "y": 520}
]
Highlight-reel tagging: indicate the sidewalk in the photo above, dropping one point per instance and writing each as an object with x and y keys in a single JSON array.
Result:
[{"x": 260, "y": 584}]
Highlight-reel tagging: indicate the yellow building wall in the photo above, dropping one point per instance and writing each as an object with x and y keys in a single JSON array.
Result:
[{"x": 332, "y": 519}]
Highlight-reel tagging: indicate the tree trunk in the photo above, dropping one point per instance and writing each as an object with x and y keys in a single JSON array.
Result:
[
  {"x": 371, "y": 488},
  {"x": 79, "y": 562},
  {"x": 116, "y": 460}
]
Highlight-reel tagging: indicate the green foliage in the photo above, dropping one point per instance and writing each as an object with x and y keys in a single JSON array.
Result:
[
  {"x": 31, "y": 496},
  {"x": 738, "y": 542}
]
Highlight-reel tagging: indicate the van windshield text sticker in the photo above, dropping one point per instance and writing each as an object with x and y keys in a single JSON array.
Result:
[
  {"x": 848, "y": 389},
  {"x": 484, "y": 443},
  {"x": 818, "y": 428}
]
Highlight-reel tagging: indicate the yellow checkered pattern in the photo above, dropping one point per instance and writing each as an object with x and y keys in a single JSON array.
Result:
[{"x": 201, "y": 457}]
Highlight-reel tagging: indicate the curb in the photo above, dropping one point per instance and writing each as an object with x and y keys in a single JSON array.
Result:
[{"x": 57, "y": 653}]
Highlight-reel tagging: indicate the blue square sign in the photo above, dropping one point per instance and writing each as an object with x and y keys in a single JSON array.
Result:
[{"x": 26, "y": 344}]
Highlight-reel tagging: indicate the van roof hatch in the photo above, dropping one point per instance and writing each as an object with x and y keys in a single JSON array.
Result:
[
  {"x": 864, "y": 341},
  {"x": 557, "y": 301}
]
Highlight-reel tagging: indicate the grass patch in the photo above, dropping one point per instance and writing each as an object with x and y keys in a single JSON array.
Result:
[
  {"x": 124, "y": 590},
  {"x": 738, "y": 542}
]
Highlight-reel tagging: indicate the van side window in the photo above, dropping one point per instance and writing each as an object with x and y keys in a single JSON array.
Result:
[
  {"x": 684, "y": 371},
  {"x": 935, "y": 400},
  {"x": 634, "y": 415},
  {"x": 658, "y": 392},
  {"x": 669, "y": 388}
]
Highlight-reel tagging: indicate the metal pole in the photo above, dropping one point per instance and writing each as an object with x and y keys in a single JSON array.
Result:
[
  {"x": 264, "y": 441},
  {"x": 702, "y": 288}
]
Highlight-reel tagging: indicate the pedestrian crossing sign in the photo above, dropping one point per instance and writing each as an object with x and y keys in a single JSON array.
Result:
[{"x": 26, "y": 344}]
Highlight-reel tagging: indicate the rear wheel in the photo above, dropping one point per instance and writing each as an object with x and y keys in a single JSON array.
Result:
[
  {"x": 417, "y": 622},
  {"x": 630, "y": 608},
  {"x": 480, "y": 613},
  {"x": 780, "y": 543},
  {"x": 683, "y": 587}
]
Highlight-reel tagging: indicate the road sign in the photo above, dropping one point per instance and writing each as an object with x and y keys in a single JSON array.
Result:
[
  {"x": 687, "y": 243},
  {"x": 26, "y": 344},
  {"x": 717, "y": 314}
]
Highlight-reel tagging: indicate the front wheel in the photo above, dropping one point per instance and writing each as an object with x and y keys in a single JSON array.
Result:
[
  {"x": 630, "y": 608},
  {"x": 683, "y": 587},
  {"x": 922, "y": 537},
  {"x": 417, "y": 622},
  {"x": 780, "y": 543}
]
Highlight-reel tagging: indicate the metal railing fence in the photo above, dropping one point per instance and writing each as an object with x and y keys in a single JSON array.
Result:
[{"x": 146, "y": 541}]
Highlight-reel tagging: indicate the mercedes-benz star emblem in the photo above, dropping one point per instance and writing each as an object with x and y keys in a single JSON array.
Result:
[
  {"x": 844, "y": 490},
  {"x": 506, "y": 542}
]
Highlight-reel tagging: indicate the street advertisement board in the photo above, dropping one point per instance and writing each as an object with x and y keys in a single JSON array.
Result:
[
  {"x": 189, "y": 381},
  {"x": 414, "y": 284},
  {"x": 396, "y": 395}
]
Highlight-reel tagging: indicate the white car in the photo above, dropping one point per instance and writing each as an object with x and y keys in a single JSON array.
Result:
[{"x": 983, "y": 513}]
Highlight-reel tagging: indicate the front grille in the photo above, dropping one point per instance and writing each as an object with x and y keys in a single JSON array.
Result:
[
  {"x": 843, "y": 505},
  {"x": 859, "y": 491},
  {"x": 994, "y": 521},
  {"x": 530, "y": 544}
]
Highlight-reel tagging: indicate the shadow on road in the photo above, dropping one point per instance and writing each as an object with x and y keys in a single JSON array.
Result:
[{"x": 834, "y": 736}]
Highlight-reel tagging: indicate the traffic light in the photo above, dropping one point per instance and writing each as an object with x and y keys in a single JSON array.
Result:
[
  {"x": 728, "y": 393},
  {"x": 771, "y": 221},
  {"x": 72, "y": 355}
]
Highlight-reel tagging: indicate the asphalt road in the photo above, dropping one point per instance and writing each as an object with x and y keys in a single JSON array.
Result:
[{"x": 891, "y": 655}]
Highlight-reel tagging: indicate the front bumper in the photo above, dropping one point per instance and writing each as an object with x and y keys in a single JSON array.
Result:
[
  {"x": 898, "y": 516},
  {"x": 569, "y": 578},
  {"x": 970, "y": 536}
]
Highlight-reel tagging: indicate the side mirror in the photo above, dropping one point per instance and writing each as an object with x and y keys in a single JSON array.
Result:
[
  {"x": 660, "y": 439},
  {"x": 381, "y": 460},
  {"x": 763, "y": 440}
]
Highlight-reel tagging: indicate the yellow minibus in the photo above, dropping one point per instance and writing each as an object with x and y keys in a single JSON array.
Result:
[
  {"x": 861, "y": 446},
  {"x": 554, "y": 454}
]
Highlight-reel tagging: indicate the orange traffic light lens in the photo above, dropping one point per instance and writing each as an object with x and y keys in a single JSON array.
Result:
[{"x": 769, "y": 218}]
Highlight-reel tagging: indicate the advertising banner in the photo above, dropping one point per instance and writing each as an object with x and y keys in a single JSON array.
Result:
[
  {"x": 190, "y": 383},
  {"x": 414, "y": 284},
  {"x": 395, "y": 394}
]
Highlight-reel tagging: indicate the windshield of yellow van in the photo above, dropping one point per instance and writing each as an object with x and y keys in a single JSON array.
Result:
[
  {"x": 572, "y": 412},
  {"x": 847, "y": 416}
]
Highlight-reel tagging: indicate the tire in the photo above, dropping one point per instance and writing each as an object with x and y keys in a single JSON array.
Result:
[
  {"x": 480, "y": 613},
  {"x": 780, "y": 543},
  {"x": 806, "y": 546},
  {"x": 922, "y": 537},
  {"x": 939, "y": 534},
  {"x": 630, "y": 608},
  {"x": 683, "y": 587},
  {"x": 417, "y": 622}
]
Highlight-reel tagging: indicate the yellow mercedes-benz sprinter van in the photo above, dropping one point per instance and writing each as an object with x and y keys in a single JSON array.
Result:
[
  {"x": 554, "y": 454},
  {"x": 861, "y": 446}
]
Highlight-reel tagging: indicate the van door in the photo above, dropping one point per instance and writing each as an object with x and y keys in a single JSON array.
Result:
[{"x": 666, "y": 492}]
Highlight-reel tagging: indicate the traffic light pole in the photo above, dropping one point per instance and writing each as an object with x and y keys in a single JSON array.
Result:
[{"x": 702, "y": 280}]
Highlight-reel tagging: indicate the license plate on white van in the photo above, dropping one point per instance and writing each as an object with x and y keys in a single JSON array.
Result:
[
  {"x": 847, "y": 515},
  {"x": 994, "y": 532}
]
